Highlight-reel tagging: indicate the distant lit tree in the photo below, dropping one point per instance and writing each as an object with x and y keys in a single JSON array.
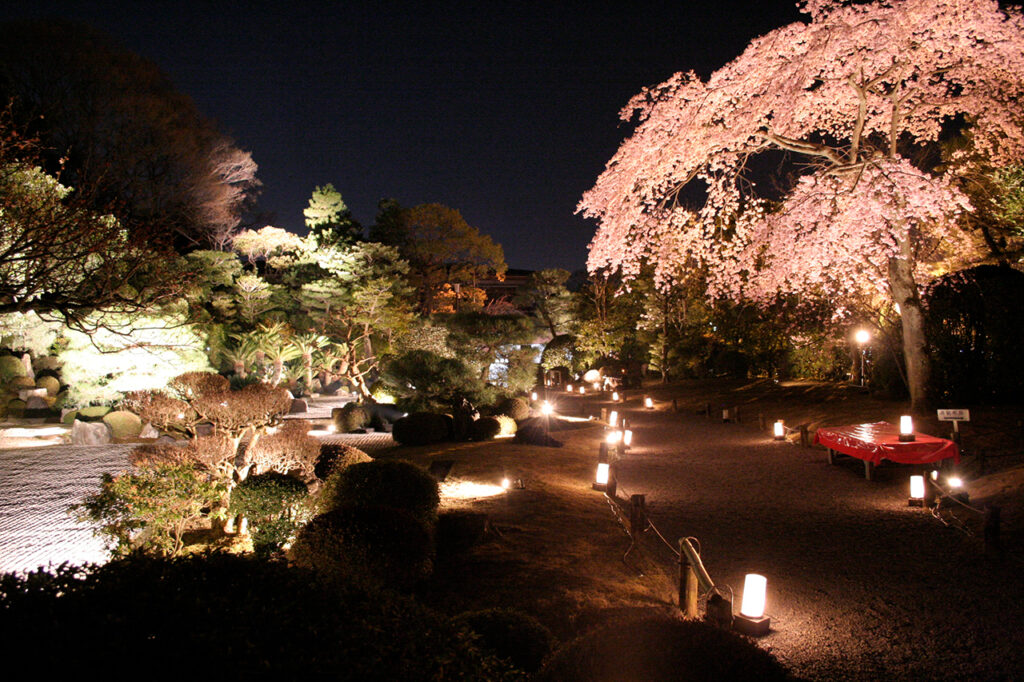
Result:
[{"x": 328, "y": 218}]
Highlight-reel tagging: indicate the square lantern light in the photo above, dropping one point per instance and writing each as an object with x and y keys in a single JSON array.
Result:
[
  {"x": 779, "y": 430},
  {"x": 583, "y": 390},
  {"x": 627, "y": 438},
  {"x": 615, "y": 396},
  {"x": 546, "y": 408},
  {"x": 906, "y": 429},
  {"x": 613, "y": 437},
  {"x": 648, "y": 402},
  {"x": 533, "y": 396},
  {"x": 603, "y": 473},
  {"x": 916, "y": 498},
  {"x": 751, "y": 619},
  {"x": 613, "y": 418},
  {"x": 568, "y": 388}
]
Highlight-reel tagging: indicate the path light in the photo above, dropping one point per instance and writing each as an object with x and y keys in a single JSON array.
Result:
[
  {"x": 862, "y": 336},
  {"x": 546, "y": 408},
  {"x": 648, "y": 402},
  {"x": 935, "y": 474},
  {"x": 751, "y": 619},
  {"x": 955, "y": 482},
  {"x": 779, "y": 430},
  {"x": 533, "y": 396},
  {"x": 568, "y": 388},
  {"x": 906, "y": 429},
  {"x": 613, "y": 437},
  {"x": 615, "y": 396},
  {"x": 603, "y": 470},
  {"x": 627, "y": 438},
  {"x": 597, "y": 386},
  {"x": 506, "y": 483},
  {"x": 583, "y": 390},
  {"x": 613, "y": 418},
  {"x": 916, "y": 491}
]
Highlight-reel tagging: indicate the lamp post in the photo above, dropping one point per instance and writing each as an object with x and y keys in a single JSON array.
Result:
[{"x": 862, "y": 336}]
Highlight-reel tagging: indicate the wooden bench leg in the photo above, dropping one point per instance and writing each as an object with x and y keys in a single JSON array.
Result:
[
  {"x": 869, "y": 470},
  {"x": 831, "y": 456}
]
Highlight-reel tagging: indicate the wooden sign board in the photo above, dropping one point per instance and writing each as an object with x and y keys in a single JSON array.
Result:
[{"x": 954, "y": 415}]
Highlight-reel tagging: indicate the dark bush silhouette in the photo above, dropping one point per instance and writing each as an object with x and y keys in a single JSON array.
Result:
[
  {"x": 269, "y": 503},
  {"x": 230, "y": 616},
  {"x": 511, "y": 635},
  {"x": 661, "y": 647},
  {"x": 334, "y": 455},
  {"x": 379, "y": 545},
  {"x": 458, "y": 530},
  {"x": 517, "y": 408},
  {"x": 421, "y": 428},
  {"x": 485, "y": 428},
  {"x": 387, "y": 483}
]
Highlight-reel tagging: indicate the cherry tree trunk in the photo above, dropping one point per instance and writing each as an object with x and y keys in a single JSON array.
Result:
[{"x": 904, "y": 291}]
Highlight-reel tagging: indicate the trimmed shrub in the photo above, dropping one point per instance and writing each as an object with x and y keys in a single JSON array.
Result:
[
  {"x": 21, "y": 382},
  {"x": 349, "y": 418},
  {"x": 508, "y": 425},
  {"x": 517, "y": 408},
  {"x": 421, "y": 428},
  {"x": 458, "y": 530},
  {"x": 389, "y": 483},
  {"x": 123, "y": 424},
  {"x": 661, "y": 647},
  {"x": 535, "y": 431},
  {"x": 485, "y": 428},
  {"x": 11, "y": 367},
  {"x": 236, "y": 618},
  {"x": 378, "y": 545},
  {"x": 270, "y": 502},
  {"x": 93, "y": 413},
  {"x": 335, "y": 456},
  {"x": 511, "y": 635},
  {"x": 289, "y": 450},
  {"x": 50, "y": 383},
  {"x": 16, "y": 408}
]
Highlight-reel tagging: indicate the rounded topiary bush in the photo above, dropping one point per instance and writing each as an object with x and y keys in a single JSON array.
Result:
[
  {"x": 485, "y": 428},
  {"x": 269, "y": 502},
  {"x": 536, "y": 431},
  {"x": 511, "y": 635},
  {"x": 517, "y": 408},
  {"x": 335, "y": 457},
  {"x": 373, "y": 544},
  {"x": 50, "y": 383},
  {"x": 11, "y": 367},
  {"x": 389, "y": 483},
  {"x": 123, "y": 424},
  {"x": 421, "y": 428},
  {"x": 508, "y": 425},
  {"x": 662, "y": 647},
  {"x": 349, "y": 418}
]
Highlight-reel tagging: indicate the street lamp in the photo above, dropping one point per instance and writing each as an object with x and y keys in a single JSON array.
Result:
[{"x": 862, "y": 336}]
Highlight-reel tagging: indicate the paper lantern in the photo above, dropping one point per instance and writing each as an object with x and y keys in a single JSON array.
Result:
[
  {"x": 568, "y": 388},
  {"x": 613, "y": 418},
  {"x": 916, "y": 491},
  {"x": 613, "y": 437},
  {"x": 648, "y": 402},
  {"x": 533, "y": 396},
  {"x": 546, "y": 408},
  {"x": 602, "y": 474},
  {"x": 615, "y": 396},
  {"x": 779, "y": 429},
  {"x": 627, "y": 438},
  {"x": 906, "y": 428}
]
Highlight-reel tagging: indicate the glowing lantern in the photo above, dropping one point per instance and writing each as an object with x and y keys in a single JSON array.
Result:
[
  {"x": 916, "y": 491},
  {"x": 906, "y": 428},
  {"x": 613, "y": 437},
  {"x": 602, "y": 474},
  {"x": 546, "y": 408},
  {"x": 779, "y": 430},
  {"x": 568, "y": 388},
  {"x": 954, "y": 482},
  {"x": 627, "y": 438},
  {"x": 613, "y": 418},
  {"x": 506, "y": 483},
  {"x": 615, "y": 396},
  {"x": 648, "y": 402},
  {"x": 533, "y": 396},
  {"x": 935, "y": 474},
  {"x": 582, "y": 390},
  {"x": 751, "y": 619}
]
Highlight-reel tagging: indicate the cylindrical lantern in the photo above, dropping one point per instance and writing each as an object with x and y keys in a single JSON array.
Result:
[
  {"x": 779, "y": 430},
  {"x": 916, "y": 491},
  {"x": 754, "y": 589},
  {"x": 627, "y": 437},
  {"x": 568, "y": 388},
  {"x": 906, "y": 428},
  {"x": 602, "y": 474},
  {"x": 613, "y": 418},
  {"x": 648, "y": 402}
]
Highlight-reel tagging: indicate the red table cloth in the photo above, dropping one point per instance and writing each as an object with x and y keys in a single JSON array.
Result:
[{"x": 881, "y": 440}]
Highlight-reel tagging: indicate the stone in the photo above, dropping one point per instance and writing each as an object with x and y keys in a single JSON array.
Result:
[
  {"x": 36, "y": 402},
  {"x": 27, "y": 393},
  {"x": 10, "y": 367},
  {"x": 26, "y": 362},
  {"x": 93, "y": 413},
  {"x": 123, "y": 424},
  {"x": 89, "y": 433},
  {"x": 298, "y": 406},
  {"x": 68, "y": 416},
  {"x": 149, "y": 431},
  {"x": 18, "y": 383},
  {"x": 16, "y": 408}
]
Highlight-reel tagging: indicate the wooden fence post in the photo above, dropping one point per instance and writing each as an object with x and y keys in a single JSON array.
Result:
[
  {"x": 637, "y": 515},
  {"x": 687, "y": 585},
  {"x": 805, "y": 436}
]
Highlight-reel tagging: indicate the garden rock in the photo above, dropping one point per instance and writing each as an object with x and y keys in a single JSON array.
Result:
[
  {"x": 10, "y": 367},
  {"x": 299, "y": 406},
  {"x": 49, "y": 383},
  {"x": 27, "y": 393},
  {"x": 89, "y": 433},
  {"x": 93, "y": 413},
  {"x": 149, "y": 431}
]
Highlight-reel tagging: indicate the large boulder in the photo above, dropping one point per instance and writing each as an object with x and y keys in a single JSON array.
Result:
[
  {"x": 123, "y": 424},
  {"x": 11, "y": 367},
  {"x": 89, "y": 433},
  {"x": 50, "y": 383},
  {"x": 93, "y": 413}
]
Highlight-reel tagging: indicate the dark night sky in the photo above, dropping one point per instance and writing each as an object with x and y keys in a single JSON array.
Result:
[{"x": 506, "y": 111}]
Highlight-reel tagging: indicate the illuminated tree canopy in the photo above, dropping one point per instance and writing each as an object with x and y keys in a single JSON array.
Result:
[{"x": 850, "y": 99}]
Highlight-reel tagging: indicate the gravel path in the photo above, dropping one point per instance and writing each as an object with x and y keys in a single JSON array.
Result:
[{"x": 860, "y": 586}]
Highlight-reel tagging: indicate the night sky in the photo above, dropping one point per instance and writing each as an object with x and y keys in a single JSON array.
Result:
[{"x": 506, "y": 111}]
